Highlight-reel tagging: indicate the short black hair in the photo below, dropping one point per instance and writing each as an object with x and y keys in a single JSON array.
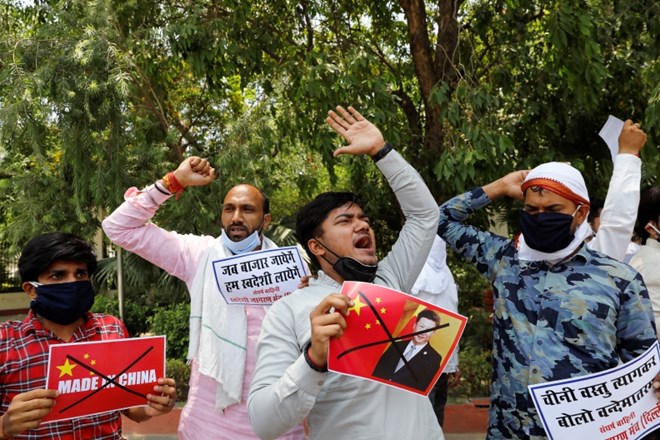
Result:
[
  {"x": 595, "y": 208},
  {"x": 266, "y": 201},
  {"x": 649, "y": 210},
  {"x": 429, "y": 314},
  {"x": 310, "y": 216},
  {"x": 43, "y": 250}
]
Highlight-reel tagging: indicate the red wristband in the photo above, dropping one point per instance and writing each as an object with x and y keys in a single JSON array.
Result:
[{"x": 172, "y": 184}]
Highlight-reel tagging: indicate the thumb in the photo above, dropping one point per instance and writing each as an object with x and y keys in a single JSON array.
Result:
[{"x": 341, "y": 150}]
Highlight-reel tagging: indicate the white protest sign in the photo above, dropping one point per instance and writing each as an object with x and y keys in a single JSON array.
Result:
[
  {"x": 259, "y": 278},
  {"x": 610, "y": 134},
  {"x": 617, "y": 404}
]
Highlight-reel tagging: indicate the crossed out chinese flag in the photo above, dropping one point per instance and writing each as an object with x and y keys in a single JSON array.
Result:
[
  {"x": 379, "y": 317},
  {"x": 95, "y": 377}
]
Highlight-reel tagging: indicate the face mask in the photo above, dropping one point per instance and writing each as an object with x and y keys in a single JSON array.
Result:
[
  {"x": 351, "y": 269},
  {"x": 249, "y": 243},
  {"x": 63, "y": 303},
  {"x": 547, "y": 231}
]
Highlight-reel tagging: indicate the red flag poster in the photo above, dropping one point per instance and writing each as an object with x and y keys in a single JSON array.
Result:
[
  {"x": 394, "y": 338},
  {"x": 95, "y": 377}
]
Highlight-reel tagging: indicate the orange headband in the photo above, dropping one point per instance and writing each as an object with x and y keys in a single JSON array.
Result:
[{"x": 555, "y": 187}]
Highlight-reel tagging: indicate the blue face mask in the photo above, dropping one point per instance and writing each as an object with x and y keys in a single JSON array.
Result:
[
  {"x": 248, "y": 244},
  {"x": 63, "y": 303}
]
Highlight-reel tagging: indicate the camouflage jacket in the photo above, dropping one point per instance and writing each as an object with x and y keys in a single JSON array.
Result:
[{"x": 580, "y": 316}]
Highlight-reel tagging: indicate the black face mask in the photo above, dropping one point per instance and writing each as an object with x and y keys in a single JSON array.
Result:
[
  {"x": 63, "y": 303},
  {"x": 351, "y": 269},
  {"x": 546, "y": 231}
]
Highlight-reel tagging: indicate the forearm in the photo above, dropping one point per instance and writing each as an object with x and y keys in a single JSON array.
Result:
[
  {"x": 129, "y": 227},
  {"x": 495, "y": 190},
  {"x": 408, "y": 253},
  {"x": 3, "y": 434},
  {"x": 284, "y": 388},
  {"x": 137, "y": 414},
  {"x": 277, "y": 407},
  {"x": 619, "y": 214}
]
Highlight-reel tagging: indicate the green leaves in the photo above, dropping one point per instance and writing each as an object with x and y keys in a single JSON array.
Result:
[{"x": 98, "y": 96}]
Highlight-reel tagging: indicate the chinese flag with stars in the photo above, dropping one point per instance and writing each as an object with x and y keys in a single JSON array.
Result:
[
  {"x": 380, "y": 317},
  {"x": 96, "y": 377}
]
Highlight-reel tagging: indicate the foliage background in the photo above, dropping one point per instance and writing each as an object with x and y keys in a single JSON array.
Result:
[{"x": 100, "y": 95}]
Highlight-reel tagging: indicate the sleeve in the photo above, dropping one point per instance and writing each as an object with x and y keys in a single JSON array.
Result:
[
  {"x": 405, "y": 260},
  {"x": 635, "y": 326},
  {"x": 619, "y": 214},
  {"x": 482, "y": 249},
  {"x": 284, "y": 388},
  {"x": 649, "y": 272},
  {"x": 129, "y": 227}
]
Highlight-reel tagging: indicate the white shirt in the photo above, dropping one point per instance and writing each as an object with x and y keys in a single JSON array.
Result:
[
  {"x": 647, "y": 262},
  {"x": 285, "y": 390}
]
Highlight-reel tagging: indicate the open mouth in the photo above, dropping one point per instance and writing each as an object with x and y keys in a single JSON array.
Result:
[{"x": 363, "y": 242}]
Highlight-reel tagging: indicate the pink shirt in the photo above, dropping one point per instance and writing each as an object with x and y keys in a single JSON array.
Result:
[{"x": 128, "y": 226}]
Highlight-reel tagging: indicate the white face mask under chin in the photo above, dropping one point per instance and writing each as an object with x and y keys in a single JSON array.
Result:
[{"x": 248, "y": 244}]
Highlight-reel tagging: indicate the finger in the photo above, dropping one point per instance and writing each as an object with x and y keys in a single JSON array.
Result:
[
  {"x": 163, "y": 401},
  {"x": 35, "y": 394},
  {"x": 37, "y": 404},
  {"x": 336, "y": 119},
  {"x": 328, "y": 319},
  {"x": 341, "y": 150},
  {"x": 356, "y": 114},
  {"x": 200, "y": 166},
  {"x": 346, "y": 115},
  {"x": 324, "y": 333},
  {"x": 167, "y": 381},
  {"x": 334, "y": 301},
  {"x": 627, "y": 123}
]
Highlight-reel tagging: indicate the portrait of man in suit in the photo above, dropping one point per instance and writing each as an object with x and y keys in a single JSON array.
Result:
[{"x": 421, "y": 362}]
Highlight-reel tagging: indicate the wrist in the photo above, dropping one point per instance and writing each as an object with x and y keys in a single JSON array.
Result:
[
  {"x": 632, "y": 151},
  {"x": 314, "y": 365},
  {"x": 3, "y": 435},
  {"x": 172, "y": 184},
  {"x": 382, "y": 151}
]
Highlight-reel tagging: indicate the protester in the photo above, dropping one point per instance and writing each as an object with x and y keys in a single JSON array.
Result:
[
  {"x": 561, "y": 310},
  {"x": 436, "y": 285},
  {"x": 647, "y": 260},
  {"x": 291, "y": 381},
  {"x": 223, "y": 338},
  {"x": 55, "y": 270}
]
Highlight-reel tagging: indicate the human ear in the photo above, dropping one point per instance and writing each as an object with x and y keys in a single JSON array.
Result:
[
  {"x": 266, "y": 222},
  {"x": 30, "y": 290},
  {"x": 315, "y": 247},
  {"x": 581, "y": 214}
]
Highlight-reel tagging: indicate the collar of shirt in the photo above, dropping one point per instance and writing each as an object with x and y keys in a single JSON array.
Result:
[{"x": 32, "y": 325}]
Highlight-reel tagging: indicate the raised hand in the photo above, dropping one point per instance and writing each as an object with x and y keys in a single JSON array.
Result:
[
  {"x": 632, "y": 139},
  {"x": 194, "y": 171},
  {"x": 508, "y": 185},
  {"x": 362, "y": 136}
]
